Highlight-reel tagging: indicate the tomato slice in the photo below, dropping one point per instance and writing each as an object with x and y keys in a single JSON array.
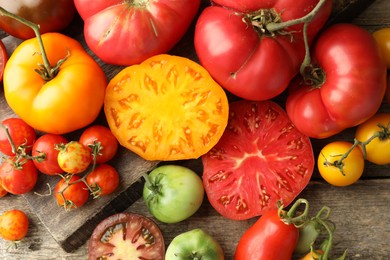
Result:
[
  {"x": 3, "y": 59},
  {"x": 260, "y": 159},
  {"x": 166, "y": 108},
  {"x": 126, "y": 236}
]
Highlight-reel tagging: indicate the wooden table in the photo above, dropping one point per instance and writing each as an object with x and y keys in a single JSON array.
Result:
[{"x": 360, "y": 211}]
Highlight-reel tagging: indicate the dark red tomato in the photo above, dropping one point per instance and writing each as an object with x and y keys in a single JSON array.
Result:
[
  {"x": 348, "y": 88},
  {"x": 45, "y": 153},
  {"x": 71, "y": 193},
  {"x": 18, "y": 177},
  {"x": 21, "y": 134},
  {"x": 260, "y": 159},
  {"x": 126, "y": 236},
  {"x": 103, "y": 180},
  {"x": 102, "y": 136},
  {"x": 243, "y": 56},
  {"x": 127, "y": 32},
  {"x": 269, "y": 238},
  {"x": 3, "y": 59},
  {"x": 51, "y": 16},
  {"x": 13, "y": 225}
]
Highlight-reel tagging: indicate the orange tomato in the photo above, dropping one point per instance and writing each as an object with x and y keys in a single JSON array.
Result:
[
  {"x": 13, "y": 225},
  {"x": 382, "y": 37},
  {"x": 67, "y": 102},
  {"x": 166, "y": 108}
]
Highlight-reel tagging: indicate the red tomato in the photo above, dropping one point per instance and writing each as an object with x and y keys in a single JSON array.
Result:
[
  {"x": 18, "y": 177},
  {"x": 3, "y": 59},
  {"x": 349, "y": 88},
  {"x": 128, "y": 32},
  {"x": 71, "y": 193},
  {"x": 21, "y": 134},
  {"x": 269, "y": 238},
  {"x": 126, "y": 236},
  {"x": 102, "y": 136},
  {"x": 260, "y": 159},
  {"x": 103, "y": 180},
  {"x": 3, "y": 192},
  {"x": 74, "y": 157},
  {"x": 246, "y": 59},
  {"x": 44, "y": 149},
  {"x": 48, "y": 14},
  {"x": 13, "y": 225}
]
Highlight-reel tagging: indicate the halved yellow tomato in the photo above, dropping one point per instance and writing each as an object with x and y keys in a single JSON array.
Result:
[{"x": 166, "y": 108}]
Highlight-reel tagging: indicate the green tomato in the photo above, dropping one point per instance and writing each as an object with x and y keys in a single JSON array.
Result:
[
  {"x": 194, "y": 244},
  {"x": 173, "y": 193}
]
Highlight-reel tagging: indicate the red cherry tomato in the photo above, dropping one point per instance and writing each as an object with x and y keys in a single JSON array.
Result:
[
  {"x": 20, "y": 132},
  {"x": 13, "y": 225},
  {"x": 71, "y": 193},
  {"x": 74, "y": 157},
  {"x": 103, "y": 180}
]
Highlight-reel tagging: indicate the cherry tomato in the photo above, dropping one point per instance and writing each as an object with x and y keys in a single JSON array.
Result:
[
  {"x": 50, "y": 15},
  {"x": 377, "y": 150},
  {"x": 382, "y": 37},
  {"x": 13, "y": 225},
  {"x": 59, "y": 104},
  {"x": 3, "y": 59},
  {"x": 340, "y": 174},
  {"x": 44, "y": 149},
  {"x": 103, "y": 180},
  {"x": 126, "y": 236},
  {"x": 18, "y": 177},
  {"x": 21, "y": 134},
  {"x": 102, "y": 136},
  {"x": 268, "y": 238},
  {"x": 71, "y": 193},
  {"x": 344, "y": 81},
  {"x": 166, "y": 108},
  {"x": 128, "y": 32},
  {"x": 74, "y": 157},
  {"x": 312, "y": 255},
  {"x": 260, "y": 159}
]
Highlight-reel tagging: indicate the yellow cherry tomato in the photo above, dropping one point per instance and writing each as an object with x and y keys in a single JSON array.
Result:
[
  {"x": 378, "y": 149},
  {"x": 382, "y": 37},
  {"x": 340, "y": 172}
]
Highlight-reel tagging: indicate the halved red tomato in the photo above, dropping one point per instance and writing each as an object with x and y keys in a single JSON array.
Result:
[{"x": 260, "y": 159}]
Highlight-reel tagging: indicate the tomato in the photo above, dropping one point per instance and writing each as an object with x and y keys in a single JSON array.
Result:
[
  {"x": 312, "y": 255},
  {"x": 382, "y": 37},
  {"x": 50, "y": 15},
  {"x": 194, "y": 244},
  {"x": 344, "y": 81},
  {"x": 101, "y": 136},
  {"x": 18, "y": 176},
  {"x": 126, "y": 236},
  {"x": 45, "y": 153},
  {"x": 173, "y": 193},
  {"x": 167, "y": 108},
  {"x": 103, "y": 180},
  {"x": 233, "y": 43},
  {"x": 268, "y": 238},
  {"x": 74, "y": 157},
  {"x": 343, "y": 173},
  {"x": 3, "y": 59},
  {"x": 13, "y": 225},
  {"x": 3, "y": 191},
  {"x": 70, "y": 192},
  {"x": 61, "y": 104},
  {"x": 260, "y": 159},
  {"x": 21, "y": 134},
  {"x": 378, "y": 149},
  {"x": 388, "y": 90},
  {"x": 128, "y": 32}
]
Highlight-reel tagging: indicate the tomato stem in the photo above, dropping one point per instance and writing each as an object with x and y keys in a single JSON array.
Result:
[{"x": 290, "y": 217}]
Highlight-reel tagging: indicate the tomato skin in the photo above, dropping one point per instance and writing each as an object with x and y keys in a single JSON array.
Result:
[
  {"x": 3, "y": 59},
  {"x": 13, "y": 225},
  {"x": 382, "y": 37},
  {"x": 353, "y": 165},
  {"x": 17, "y": 180},
  {"x": 75, "y": 193},
  {"x": 3, "y": 191},
  {"x": 268, "y": 238},
  {"x": 103, "y": 135},
  {"x": 247, "y": 63},
  {"x": 351, "y": 83},
  {"x": 74, "y": 157},
  {"x": 21, "y": 134},
  {"x": 49, "y": 15},
  {"x": 105, "y": 177},
  {"x": 378, "y": 150},
  {"x": 137, "y": 29},
  {"x": 50, "y": 106},
  {"x": 46, "y": 144}
]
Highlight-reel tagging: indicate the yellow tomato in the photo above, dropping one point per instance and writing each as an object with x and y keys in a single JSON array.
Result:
[
  {"x": 377, "y": 150},
  {"x": 312, "y": 255},
  {"x": 344, "y": 172},
  {"x": 382, "y": 37}
]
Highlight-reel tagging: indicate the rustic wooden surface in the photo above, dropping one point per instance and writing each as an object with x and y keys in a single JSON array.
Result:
[{"x": 360, "y": 211}]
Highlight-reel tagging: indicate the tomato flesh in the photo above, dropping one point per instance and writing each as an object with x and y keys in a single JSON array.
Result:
[{"x": 260, "y": 159}]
